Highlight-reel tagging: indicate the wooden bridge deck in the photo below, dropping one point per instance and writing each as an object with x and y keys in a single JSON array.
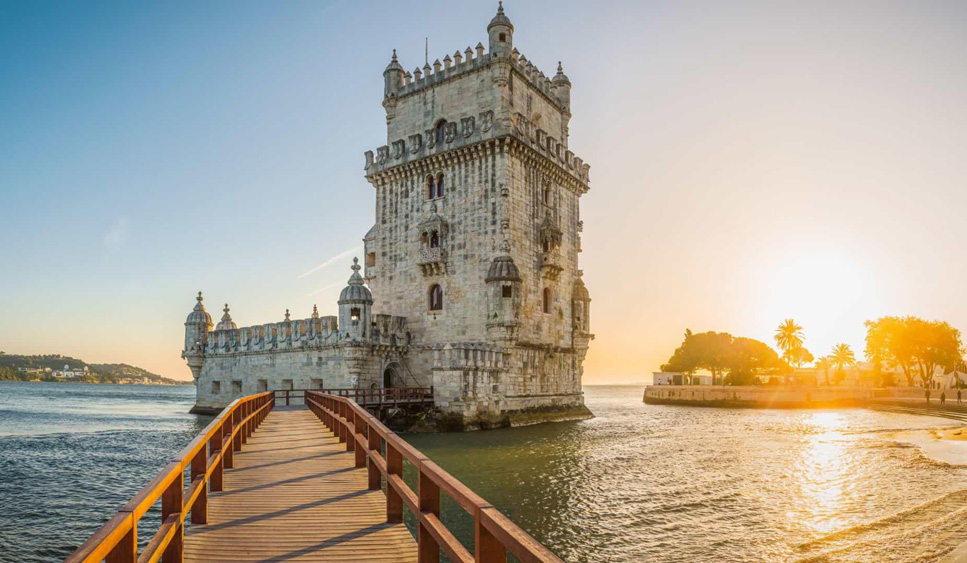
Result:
[{"x": 295, "y": 494}]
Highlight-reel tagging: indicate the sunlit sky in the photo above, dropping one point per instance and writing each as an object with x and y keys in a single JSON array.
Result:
[{"x": 750, "y": 162}]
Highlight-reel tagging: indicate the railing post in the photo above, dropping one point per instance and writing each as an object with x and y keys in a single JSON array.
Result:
[
  {"x": 358, "y": 429},
  {"x": 236, "y": 419},
  {"x": 172, "y": 503},
  {"x": 487, "y": 548},
  {"x": 215, "y": 445},
  {"x": 126, "y": 551},
  {"x": 375, "y": 478},
  {"x": 350, "y": 428},
  {"x": 429, "y": 551},
  {"x": 286, "y": 397},
  {"x": 228, "y": 444},
  {"x": 394, "y": 502},
  {"x": 199, "y": 510}
]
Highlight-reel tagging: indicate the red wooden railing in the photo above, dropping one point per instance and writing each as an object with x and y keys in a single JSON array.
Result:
[
  {"x": 206, "y": 457},
  {"x": 494, "y": 533},
  {"x": 378, "y": 398}
]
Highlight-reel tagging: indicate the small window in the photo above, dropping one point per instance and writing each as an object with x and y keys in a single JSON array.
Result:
[
  {"x": 503, "y": 37},
  {"x": 370, "y": 259},
  {"x": 439, "y": 185},
  {"x": 547, "y": 300},
  {"x": 287, "y": 384},
  {"x": 237, "y": 387},
  {"x": 507, "y": 292},
  {"x": 546, "y": 245},
  {"x": 316, "y": 383},
  {"x": 546, "y": 196},
  {"x": 436, "y": 298},
  {"x": 441, "y": 130},
  {"x": 263, "y": 385},
  {"x": 216, "y": 387},
  {"x": 354, "y": 314},
  {"x": 434, "y": 240},
  {"x": 430, "y": 187}
]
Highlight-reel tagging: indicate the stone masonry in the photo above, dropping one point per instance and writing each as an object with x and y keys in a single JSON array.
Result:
[{"x": 472, "y": 260}]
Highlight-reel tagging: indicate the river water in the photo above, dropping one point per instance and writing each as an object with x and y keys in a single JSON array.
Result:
[{"x": 636, "y": 483}]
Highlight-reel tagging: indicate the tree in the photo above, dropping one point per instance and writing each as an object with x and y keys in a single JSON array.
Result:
[
  {"x": 789, "y": 335},
  {"x": 916, "y": 346},
  {"x": 798, "y": 356},
  {"x": 842, "y": 357},
  {"x": 747, "y": 358},
  {"x": 824, "y": 364}
]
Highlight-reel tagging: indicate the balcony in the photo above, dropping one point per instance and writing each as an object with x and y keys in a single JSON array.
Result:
[
  {"x": 432, "y": 261},
  {"x": 551, "y": 265}
]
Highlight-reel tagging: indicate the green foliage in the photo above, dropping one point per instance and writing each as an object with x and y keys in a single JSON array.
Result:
[
  {"x": 914, "y": 345},
  {"x": 97, "y": 373},
  {"x": 719, "y": 353}
]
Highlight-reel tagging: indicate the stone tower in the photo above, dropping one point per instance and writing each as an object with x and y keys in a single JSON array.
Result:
[{"x": 478, "y": 229}]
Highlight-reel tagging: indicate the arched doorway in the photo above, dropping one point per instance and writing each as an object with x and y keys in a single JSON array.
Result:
[{"x": 392, "y": 376}]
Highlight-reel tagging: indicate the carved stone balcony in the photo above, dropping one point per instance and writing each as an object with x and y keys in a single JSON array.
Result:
[
  {"x": 551, "y": 265},
  {"x": 432, "y": 261}
]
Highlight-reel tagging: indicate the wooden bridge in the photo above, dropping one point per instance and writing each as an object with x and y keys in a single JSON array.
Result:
[{"x": 323, "y": 483}]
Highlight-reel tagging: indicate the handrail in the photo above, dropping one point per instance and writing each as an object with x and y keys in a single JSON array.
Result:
[
  {"x": 379, "y": 397},
  {"x": 494, "y": 533},
  {"x": 206, "y": 457}
]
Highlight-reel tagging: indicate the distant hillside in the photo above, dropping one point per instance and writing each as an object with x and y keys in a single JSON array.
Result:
[{"x": 50, "y": 367}]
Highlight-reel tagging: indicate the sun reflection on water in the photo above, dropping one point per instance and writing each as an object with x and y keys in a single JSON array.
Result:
[{"x": 823, "y": 469}]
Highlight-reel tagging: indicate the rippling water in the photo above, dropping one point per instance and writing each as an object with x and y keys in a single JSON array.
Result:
[{"x": 638, "y": 482}]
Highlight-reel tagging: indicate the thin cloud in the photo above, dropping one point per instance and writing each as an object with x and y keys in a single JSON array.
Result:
[
  {"x": 332, "y": 260},
  {"x": 116, "y": 235},
  {"x": 323, "y": 288}
]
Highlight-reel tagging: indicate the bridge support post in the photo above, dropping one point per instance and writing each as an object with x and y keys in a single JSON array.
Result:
[
  {"x": 375, "y": 477},
  {"x": 215, "y": 446},
  {"x": 359, "y": 428},
  {"x": 126, "y": 551},
  {"x": 199, "y": 463},
  {"x": 487, "y": 548}
]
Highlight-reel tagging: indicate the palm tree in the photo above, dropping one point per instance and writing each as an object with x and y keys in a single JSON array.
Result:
[
  {"x": 789, "y": 335},
  {"x": 842, "y": 357}
]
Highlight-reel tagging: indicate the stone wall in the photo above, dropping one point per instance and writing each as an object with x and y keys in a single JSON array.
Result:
[{"x": 766, "y": 396}]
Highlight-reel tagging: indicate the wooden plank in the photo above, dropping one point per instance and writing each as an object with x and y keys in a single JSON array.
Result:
[{"x": 295, "y": 494}]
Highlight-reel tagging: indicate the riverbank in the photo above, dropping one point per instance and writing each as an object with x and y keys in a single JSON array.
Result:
[{"x": 757, "y": 397}]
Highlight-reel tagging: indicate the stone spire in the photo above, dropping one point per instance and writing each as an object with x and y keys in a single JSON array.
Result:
[
  {"x": 315, "y": 312},
  {"x": 287, "y": 314},
  {"x": 226, "y": 323}
]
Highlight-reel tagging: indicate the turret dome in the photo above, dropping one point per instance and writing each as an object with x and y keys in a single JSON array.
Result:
[
  {"x": 580, "y": 292},
  {"x": 198, "y": 315},
  {"x": 226, "y": 323},
  {"x": 560, "y": 77},
  {"x": 503, "y": 269},
  {"x": 356, "y": 291},
  {"x": 501, "y": 18},
  {"x": 394, "y": 64}
]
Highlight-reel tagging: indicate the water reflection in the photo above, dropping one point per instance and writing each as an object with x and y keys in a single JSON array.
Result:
[{"x": 644, "y": 482}]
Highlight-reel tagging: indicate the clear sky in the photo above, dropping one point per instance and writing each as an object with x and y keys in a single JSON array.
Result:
[{"x": 750, "y": 161}]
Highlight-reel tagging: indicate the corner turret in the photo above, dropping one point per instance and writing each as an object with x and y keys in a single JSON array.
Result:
[
  {"x": 393, "y": 77},
  {"x": 197, "y": 325},
  {"x": 561, "y": 88},
  {"x": 503, "y": 296},
  {"x": 501, "y": 33},
  {"x": 355, "y": 306}
]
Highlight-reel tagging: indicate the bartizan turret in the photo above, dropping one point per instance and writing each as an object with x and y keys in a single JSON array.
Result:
[
  {"x": 503, "y": 296},
  {"x": 355, "y": 307},
  {"x": 197, "y": 325},
  {"x": 501, "y": 33}
]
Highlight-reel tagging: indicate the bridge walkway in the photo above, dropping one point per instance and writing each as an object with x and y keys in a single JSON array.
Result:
[{"x": 295, "y": 494}]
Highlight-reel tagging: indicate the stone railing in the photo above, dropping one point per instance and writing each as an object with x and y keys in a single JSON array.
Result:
[{"x": 430, "y": 255}]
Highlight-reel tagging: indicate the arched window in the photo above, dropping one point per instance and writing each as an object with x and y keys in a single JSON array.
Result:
[
  {"x": 547, "y": 300},
  {"x": 354, "y": 314},
  {"x": 434, "y": 240},
  {"x": 430, "y": 187},
  {"x": 546, "y": 196},
  {"x": 546, "y": 245},
  {"x": 436, "y": 298},
  {"x": 439, "y": 185},
  {"x": 440, "y": 130}
]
